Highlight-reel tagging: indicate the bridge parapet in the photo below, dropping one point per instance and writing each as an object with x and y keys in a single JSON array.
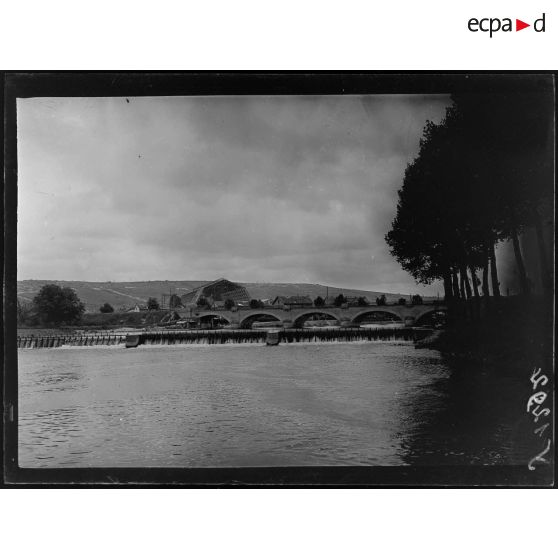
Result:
[{"x": 293, "y": 316}]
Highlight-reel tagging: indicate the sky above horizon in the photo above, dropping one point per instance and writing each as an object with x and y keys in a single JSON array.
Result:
[{"x": 255, "y": 189}]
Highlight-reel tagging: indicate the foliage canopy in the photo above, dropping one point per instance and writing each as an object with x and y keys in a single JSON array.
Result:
[{"x": 58, "y": 305}]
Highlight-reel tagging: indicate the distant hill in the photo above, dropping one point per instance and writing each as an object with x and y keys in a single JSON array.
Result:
[
  {"x": 271, "y": 290},
  {"x": 127, "y": 294}
]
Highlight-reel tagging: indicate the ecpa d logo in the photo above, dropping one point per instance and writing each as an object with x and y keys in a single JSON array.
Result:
[{"x": 492, "y": 25}]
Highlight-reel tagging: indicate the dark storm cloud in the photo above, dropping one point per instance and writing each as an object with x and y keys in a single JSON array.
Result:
[{"x": 252, "y": 188}]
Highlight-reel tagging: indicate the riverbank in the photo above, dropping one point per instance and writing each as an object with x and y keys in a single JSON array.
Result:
[{"x": 509, "y": 331}]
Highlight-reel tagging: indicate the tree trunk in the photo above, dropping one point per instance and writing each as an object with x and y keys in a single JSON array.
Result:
[
  {"x": 494, "y": 272},
  {"x": 455, "y": 281},
  {"x": 485, "y": 291},
  {"x": 474, "y": 280},
  {"x": 448, "y": 290},
  {"x": 466, "y": 284},
  {"x": 462, "y": 286},
  {"x": 546, "y": 280},
  {"x": 523, "y": 281}
]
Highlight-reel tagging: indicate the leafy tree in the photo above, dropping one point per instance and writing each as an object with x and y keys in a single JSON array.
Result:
[
  {"x": 402, "y": 301},
  {"x": 152, "y": 303},
  {"x": 507, "y": 139},
  {"x": 57, "y": 305},
  {"x": 481, "y": 176},
  {"x": 229, "y": 304},
  {"x": 339, "y": 300},
  {"x": 361, "y": 301},
  {"x": 441, "y": 230},
  {"x": 106, "y": 308},
  {"x": 416, "y": 299},
  {"x": 424, "y": 237},
  {"x": 202, "y": 302},
  {"x": 256, "y": 304},
  {"x": 319, "y": 301},
  {"x": 25, "y": 315},
  {"x": 381, "y": 300}
]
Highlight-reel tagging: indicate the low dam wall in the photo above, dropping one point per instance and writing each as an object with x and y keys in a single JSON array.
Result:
[
  {"x": 223, "y": 336},
  {"x": 32, "y": 342}
]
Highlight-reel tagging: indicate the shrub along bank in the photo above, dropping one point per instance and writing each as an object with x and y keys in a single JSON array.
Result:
[{"x": 122, "y": 319}]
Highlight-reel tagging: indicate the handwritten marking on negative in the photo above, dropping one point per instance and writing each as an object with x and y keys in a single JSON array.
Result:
[{"x": 534, "y": 409}]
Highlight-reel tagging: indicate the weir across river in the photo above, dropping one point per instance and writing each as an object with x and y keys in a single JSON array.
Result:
[
  {"x": 238, "y": 324},
  {"x": 226, "y": 336},
  {"x": 52, "y": 341}
]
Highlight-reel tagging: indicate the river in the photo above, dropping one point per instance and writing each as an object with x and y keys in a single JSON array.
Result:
[{"x": 314, "y": 404}]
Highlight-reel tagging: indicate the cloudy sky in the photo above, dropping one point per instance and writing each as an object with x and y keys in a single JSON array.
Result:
[{"x": 281, "y": 189}]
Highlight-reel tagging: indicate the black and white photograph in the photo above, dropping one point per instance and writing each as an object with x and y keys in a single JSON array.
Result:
[{"x": 280, "y": 278}]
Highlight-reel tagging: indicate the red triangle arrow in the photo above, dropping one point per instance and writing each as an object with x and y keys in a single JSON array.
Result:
[{"x": 519, "y": 25}]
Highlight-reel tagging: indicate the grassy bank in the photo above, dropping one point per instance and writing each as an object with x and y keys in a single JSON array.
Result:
[
  {"x": 125, "y": 319},
  {"x": 98, "y": 321}
]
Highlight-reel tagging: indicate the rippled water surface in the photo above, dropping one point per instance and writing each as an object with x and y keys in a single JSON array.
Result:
[{"x": 237, "y": 405}]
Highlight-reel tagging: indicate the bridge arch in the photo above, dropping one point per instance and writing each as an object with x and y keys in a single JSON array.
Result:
[
  {"x": 386, "y": 311},
  {"x": 429, "y": 313},
  {"x": 301, "y": 317},
  {"x": 204, "y": 315},
  {"x": 249, "y": 319}
]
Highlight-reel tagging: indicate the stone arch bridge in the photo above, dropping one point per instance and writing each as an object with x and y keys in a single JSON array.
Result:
[{"x": 242, "y": 318}]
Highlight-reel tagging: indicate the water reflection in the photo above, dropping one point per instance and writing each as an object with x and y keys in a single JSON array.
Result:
[
  {"x": 223, "y": 406},
  {"x": 479, "y": 419}
]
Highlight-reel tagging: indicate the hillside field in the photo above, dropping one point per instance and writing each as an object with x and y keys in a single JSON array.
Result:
[{"x": 124, "y": 295}]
